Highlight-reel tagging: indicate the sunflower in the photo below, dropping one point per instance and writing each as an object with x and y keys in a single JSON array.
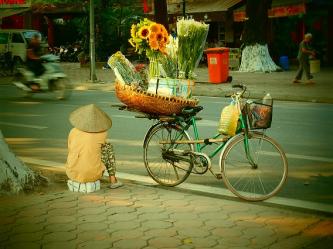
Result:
[
  {"x": 133, "y": 30},
  {"x": 159, "y": 37},
  {"x": 154, "y": 45},
  {"x": 144, "y": 32},
  {"x": 154, "y": 27}
]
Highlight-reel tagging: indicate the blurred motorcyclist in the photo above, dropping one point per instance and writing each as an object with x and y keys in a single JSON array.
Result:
[{"x": 34, "y": 52}]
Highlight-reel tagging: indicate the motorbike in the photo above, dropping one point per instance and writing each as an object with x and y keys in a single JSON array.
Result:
[{"x": 53, "y": 80}]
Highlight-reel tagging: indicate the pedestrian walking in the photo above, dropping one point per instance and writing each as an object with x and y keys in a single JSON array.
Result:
[
  {"x": 304, "y": 53},
  {"x": 89, "y": 151}
]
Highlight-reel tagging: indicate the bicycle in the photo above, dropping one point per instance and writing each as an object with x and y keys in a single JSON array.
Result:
[{"x": 252, "y": 165}]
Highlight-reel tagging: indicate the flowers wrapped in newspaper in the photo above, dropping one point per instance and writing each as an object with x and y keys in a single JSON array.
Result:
[
  {"x": 151, "y": 38},
  {"x": 124, "y": 70},
  {"x": 170, "y": 58},
  {"x": 191, "y": 41}
]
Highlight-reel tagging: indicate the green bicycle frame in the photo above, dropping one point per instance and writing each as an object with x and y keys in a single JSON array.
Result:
[{"x": 240, "y": 128}]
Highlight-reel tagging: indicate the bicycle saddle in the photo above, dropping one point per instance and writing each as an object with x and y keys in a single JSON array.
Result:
[{"x": 191, "y": 111}]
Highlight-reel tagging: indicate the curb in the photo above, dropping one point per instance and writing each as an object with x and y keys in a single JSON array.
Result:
[{"x": 281, "y": 202}]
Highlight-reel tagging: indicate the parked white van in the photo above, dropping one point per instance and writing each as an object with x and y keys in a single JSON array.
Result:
[{"x": 16, "y": 41}]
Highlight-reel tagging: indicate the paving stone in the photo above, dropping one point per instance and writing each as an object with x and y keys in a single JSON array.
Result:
[
  {"x": 59, "y": 236},
  {"x": 149, "y": 197},
  {"x": 263, "y": 241},
  {"x": 123, "y": 234},
  {"x": 62, "y": 211},
  {"x": 250, "y": 224},
  {"x": 193, "y": 232},
  {"x": 71, "y": 196},
  {"x": 92, "y": 218},
  {"x": 119, "y": 210},
  {"x": 60, "y": 245},
  {"x": 63, "y": 204},
  {"x": 184, "y": 216},
  {"x": 226, "y": 223},
  {"x": 26, "y": 237},
  {"x": 31, "y": 220},
  {"x": 30, "y": 228},
  {"x": 213, "y": 215},
  {"x": 258, "y": 232},
  {"x": 293, "y": 242},
  {"x": 228, "y": 232},
  {"x": 93, "y": 197},
  {"x": 61, "y": 219},
  {"x": 120, "y": 203},
  {"x": 32, "y": 212},
  {"x": 3, "y": 237},
  {"x": 171, "y": 196},
  {"x": 185, "y": 224},
  {"x": 104, "y": 244},
  {"x": 150, "y": 210},
  {"x": 7, "y": 221},
  {"x": 85, "y": 204},
  {"x": 23, "y": 245},
  {"x": 122, "y": 217},
  {"x": 154, "y": 216},
  {"x": 231, "y": 242},
  {"x": 130, "y": 243},
  {"x": 92, "y": 226},
  {"x": 198, "y": 242},
  {"x": 167, "y": 232},
  {"x": 124, "y": 225},
  {"x": 60, "y": 227},
  {"x": 175, "y": 203},
  {"x": 165, "y": 242},
  {"x": 144, "y": 203},
  {"x": 91, "y": 211},
  {"x": 155, "y": 224},
  {"x": 93, "y": 235}
]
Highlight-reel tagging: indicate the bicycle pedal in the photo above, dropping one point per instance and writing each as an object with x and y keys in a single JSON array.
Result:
[{"x": 218, "y": 176}]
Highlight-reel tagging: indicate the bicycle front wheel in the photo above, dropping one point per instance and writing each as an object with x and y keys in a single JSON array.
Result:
[
  {"x": 258, "y": 181},
  {"x": 169, "y": 164}
]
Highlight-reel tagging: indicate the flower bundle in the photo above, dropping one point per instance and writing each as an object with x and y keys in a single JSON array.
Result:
[
  {"x": 124, "y": 69},
  {"x": 148, "y": 36},
  {"x": 151, "y": 38},
  {"x": 170, "y": 58},
  {"x": 191, "y": 40}
]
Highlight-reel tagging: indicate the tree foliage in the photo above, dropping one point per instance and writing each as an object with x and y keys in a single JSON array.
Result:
[{"x": 113, "y": 19}]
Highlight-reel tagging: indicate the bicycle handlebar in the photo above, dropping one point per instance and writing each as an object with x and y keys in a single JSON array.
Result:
[{"x": 241, "y": 86}]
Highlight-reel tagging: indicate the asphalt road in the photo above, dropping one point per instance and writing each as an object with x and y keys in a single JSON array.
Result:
[{"x": 38, "y": 127}]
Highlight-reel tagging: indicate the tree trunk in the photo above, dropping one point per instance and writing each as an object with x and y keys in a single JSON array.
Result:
[
  {"x": 255, "y": 55},
  {"x": 15, "y": 176},
  {"x": 161, "y": 12}
]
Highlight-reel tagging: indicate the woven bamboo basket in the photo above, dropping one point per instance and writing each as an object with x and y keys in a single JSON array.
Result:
[{"x": 151, "y": 103}]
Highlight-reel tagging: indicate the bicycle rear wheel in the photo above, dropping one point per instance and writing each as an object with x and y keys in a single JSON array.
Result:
[
  {"x": 168, "y": 164},
  {"x": 254, "y": 182}
]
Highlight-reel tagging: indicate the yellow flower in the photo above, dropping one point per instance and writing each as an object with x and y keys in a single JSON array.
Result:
[
  {"x": 148, "y": 36},
  {"x": 153, "y": 44},
  {"x": 133, "y": 30},
  {"x": 154, "y": 27},
  {"x": 144, "y": 32},
  {"x": 159, "y": 37}
]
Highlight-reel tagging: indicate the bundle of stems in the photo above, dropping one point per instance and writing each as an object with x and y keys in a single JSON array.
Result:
[{"x": 191, "y": 41}]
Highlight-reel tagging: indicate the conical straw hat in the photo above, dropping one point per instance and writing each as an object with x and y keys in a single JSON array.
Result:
[{"x": 90, "y": 118}]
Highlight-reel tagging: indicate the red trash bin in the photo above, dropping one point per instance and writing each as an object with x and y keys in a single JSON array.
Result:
[{"x": 218, "y": 64}]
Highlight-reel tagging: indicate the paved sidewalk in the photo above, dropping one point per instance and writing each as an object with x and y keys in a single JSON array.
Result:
[
  {"x": 147, "y": 217},
  {"x": 278, "y": 84}
]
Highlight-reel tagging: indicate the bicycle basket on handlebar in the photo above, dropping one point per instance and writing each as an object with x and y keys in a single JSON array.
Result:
[{"x": 259, "y": 115}]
